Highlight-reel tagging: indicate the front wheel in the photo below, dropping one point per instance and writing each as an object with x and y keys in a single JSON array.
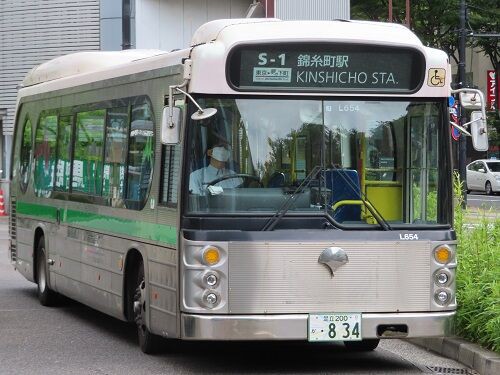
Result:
[
  {"x": 46, "y": 296},
  {"x": 148, "y": 342},
  {"x": 366, "y": 345}
]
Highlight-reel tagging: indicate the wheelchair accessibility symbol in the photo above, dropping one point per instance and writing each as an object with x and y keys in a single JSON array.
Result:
[{"x": 437, "y": 77}]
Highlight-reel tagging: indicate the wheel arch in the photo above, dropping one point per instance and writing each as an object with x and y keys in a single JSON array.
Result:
[
  {"x": 130, "y": 270},
  {"x": 39, "y": 233}
]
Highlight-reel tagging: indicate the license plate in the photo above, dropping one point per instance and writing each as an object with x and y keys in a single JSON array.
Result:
[{"x": 334, "y": 327}]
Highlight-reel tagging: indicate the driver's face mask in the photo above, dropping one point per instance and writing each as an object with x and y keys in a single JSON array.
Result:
[{"x": 221, "y": 154}]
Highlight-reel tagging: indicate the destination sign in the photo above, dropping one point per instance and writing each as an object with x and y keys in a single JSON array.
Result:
[{"x": 329, "y": 67}]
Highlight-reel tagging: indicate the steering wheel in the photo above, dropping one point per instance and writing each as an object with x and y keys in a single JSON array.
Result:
[{"x": 247, "y": 177}]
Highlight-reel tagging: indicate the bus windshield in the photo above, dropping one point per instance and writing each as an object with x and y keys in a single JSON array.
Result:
[{"x": 361, "y": 159}]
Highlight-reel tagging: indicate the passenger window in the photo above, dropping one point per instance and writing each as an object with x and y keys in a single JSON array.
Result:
[
  {"x": 63, "y": 167},
  {"x": 140, "y": 155},
  {"x": 87, "y": 164},
  {"x": 26, "y": 153},
  {"x": 115, "y": 155},
  {"x": 45, "y": 152}
]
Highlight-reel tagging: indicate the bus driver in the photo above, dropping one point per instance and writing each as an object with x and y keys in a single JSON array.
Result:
[{"x": 200, "y": 179}]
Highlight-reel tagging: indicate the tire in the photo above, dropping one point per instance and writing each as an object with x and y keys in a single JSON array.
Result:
[
  {"x": 366, "y": 345},
  {"x": 148, "y": 342},
  {"x": 488, "y": 189},
  {"x": 46, "y": 296}
]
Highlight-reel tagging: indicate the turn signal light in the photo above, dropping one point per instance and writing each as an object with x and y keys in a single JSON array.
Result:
[
  {"x": 443, "y": 254},
  {"x": 211, "y": 256}
]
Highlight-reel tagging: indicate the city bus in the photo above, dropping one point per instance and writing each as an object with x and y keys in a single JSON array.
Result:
[{"x": 277, "y": 180}]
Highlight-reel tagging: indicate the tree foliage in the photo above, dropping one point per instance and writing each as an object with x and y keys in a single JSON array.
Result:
[
  {"x": 484, "y": 18},
  {"x": 436, "y": 22}
]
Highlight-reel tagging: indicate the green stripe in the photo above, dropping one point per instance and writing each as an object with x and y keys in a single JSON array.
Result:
[{"x": 101, "y": 223}]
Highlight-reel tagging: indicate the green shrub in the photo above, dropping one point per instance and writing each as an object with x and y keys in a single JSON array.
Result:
[{"x": 478, "y": 278}]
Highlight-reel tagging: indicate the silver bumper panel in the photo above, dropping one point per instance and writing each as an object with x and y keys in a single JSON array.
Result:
[{"x": 294, "y": 326}]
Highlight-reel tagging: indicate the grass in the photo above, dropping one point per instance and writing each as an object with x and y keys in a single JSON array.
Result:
[{"x": 478, "y": 276}]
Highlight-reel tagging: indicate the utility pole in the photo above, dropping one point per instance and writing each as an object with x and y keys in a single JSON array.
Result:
[
  {"x": 408, "y": 13},
  {"x": 462, "y": 145}
]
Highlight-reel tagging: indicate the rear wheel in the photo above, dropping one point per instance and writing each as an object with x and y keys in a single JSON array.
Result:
[
  {"x": 46, "y": 296},
  {"x": 488, "y": 189},
  {"x": 148, "y": 342},
  {"x": 366, "y": 345}
]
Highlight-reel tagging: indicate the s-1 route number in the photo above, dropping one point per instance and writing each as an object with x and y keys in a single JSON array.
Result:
[{"x": 264, "y": 59}]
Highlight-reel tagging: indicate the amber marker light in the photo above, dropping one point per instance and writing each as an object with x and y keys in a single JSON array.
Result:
[
  {"x": 211, "y": 256},
  {"x": 442, "y": 254}
]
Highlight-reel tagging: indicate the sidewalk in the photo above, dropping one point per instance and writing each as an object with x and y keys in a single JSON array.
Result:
[{"x": 483, "y": 361}]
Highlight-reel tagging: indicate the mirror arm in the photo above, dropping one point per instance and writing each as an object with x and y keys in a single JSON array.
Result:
[
  {"x": 190, "y": 98},
  {"x": 460, "y": 128},
  {"x": 171, "y": 101},
  {"x": 470, "y": 122},
  {"x": 481, "y": 97}
]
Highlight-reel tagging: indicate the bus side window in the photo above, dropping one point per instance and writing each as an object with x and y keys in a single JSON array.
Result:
[
  {"x": 87, "y": 164},
  {"x": 45, "y": 154},
  {"x": 115, "y": 157},
  {"x": 63, "y": 154},
  {"x": 170, "y": 175},
  {"x": 140, "y": 155},
  {"x": 25, "y": 155}
]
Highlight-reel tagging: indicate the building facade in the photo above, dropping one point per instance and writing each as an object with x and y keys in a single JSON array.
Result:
[{"x": 32, "y": 32}]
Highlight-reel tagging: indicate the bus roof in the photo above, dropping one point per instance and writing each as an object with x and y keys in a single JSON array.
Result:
[
  {"x": 83, "y": 62},
  {"x": 211, "y": 43},
  {"x": 231, "y": 30}
]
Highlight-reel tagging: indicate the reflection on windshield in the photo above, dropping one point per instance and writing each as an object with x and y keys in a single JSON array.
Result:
[{"x": 254, "y": 153}]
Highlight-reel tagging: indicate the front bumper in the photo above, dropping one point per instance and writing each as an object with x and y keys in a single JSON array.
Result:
[{"x": 294, "y": 326}]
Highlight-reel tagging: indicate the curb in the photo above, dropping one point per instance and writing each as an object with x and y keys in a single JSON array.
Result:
[{"x": 483, "y": 361}]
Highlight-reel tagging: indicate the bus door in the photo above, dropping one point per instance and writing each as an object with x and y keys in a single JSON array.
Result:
[
  {"x": 421, "y": 159},
  {"x": 380, "y": 173}
]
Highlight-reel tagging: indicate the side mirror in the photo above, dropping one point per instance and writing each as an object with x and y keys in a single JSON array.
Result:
[
  {"x": 470, "y": 100},
  {"x": 479, "y": 131},
  {"x": 482, "y": 170},
  {"x": 171, "y": 126}
]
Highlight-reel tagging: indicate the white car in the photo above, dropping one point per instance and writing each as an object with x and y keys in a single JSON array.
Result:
[{"x": 484, "y": 175}]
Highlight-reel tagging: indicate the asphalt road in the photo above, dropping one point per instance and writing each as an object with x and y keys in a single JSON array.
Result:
[
  {"x": 481, "y": 200},
  {"x": 74, "y": 339}
]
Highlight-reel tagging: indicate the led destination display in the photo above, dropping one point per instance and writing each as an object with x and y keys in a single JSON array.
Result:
[{"x": 326, "y": 67}]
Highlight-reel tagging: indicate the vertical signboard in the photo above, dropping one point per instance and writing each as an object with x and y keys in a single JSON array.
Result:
[{"x": 491, "y": 91}]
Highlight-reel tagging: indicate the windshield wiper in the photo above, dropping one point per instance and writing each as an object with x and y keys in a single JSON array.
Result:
[{"x": 278, "y": 215}]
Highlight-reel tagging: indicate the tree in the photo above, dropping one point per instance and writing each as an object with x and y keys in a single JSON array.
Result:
[
  {"x": 436, "y": 22},
  {"x": 483, "y": 17}
]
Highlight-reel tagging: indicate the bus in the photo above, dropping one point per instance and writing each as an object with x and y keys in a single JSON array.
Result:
[{"x": 277, "y": 180}]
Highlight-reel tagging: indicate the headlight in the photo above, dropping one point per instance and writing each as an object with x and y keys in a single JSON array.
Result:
[
  {"x": 211, "y": 298},
  {"x": 211, "y": 280},
  {"x": 443, "y": 277},
  {"x": 442, "y": 297}
]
